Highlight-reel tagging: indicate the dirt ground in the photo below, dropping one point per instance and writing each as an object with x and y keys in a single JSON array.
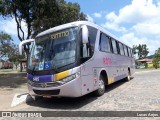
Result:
[
  {"x": 13, "y": 80},
  {"x": 10, "y": 84}
]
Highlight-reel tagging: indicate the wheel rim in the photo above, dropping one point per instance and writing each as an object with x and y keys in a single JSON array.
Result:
[
  {"x": 129, "y": 76},
  {"x": 101, "y": 85}
]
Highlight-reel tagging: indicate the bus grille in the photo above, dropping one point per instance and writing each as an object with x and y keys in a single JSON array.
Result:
[
  {"x": 47, "y": 92},
  {"x": 44, "y": 85}
]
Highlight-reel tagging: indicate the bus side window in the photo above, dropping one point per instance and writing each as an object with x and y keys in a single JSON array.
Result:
[
  {"x": 118, "y": 48},
  {"x": 111, "y": 46},
  {"x": 104, "y": 43},
  {"x": 129, "y": 52},
  {"x": 121, "y": 49},
  {"x": 114, "y": 46},
  {"x": 92, "y": 38},
  {"x": 125, "y": 50}
]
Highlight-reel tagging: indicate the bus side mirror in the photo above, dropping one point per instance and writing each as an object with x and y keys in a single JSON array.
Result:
[
  {"x": 84, "y": 34},
  {"x": 24, "y": 43}
]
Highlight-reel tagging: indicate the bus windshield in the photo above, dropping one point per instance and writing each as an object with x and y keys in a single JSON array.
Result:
[{"x": 55, "y": 50}]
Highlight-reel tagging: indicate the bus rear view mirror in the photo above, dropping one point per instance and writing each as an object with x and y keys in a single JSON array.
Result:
[
  {"x": 24, "y": 43},
  {"x": 84, "y": 34}
]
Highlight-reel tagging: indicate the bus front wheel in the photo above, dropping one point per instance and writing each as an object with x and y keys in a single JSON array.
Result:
[
  {"x": 101, "y": 88},
  {"x": 35, "y": 98}
]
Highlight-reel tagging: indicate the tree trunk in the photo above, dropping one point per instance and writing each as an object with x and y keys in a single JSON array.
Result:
[{"x": 21, "y": 67}]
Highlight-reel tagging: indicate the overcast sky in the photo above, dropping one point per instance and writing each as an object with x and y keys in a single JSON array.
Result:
[{"x": 133, "y": 21}]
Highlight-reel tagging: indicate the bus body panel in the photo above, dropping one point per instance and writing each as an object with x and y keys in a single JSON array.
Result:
[
  {"x": 87, "y": 77},
  {"x": 116, "y": 66},
  {"x": 87, "y": 84}
]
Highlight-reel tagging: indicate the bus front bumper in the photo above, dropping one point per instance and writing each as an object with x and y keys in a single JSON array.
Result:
[{"x": 69, "y": 89}]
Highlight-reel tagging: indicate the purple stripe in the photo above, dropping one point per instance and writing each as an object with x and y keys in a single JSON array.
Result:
[{"x": 40, "y": 78}]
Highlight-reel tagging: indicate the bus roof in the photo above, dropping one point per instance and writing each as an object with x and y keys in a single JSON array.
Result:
[{"x": 77, "y": 23}]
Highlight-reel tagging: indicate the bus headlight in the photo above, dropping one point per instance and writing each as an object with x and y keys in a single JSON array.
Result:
[{"x": 71, "y": 77}]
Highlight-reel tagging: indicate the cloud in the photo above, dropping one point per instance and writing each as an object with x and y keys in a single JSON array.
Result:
[
  {"x": 131, "y": 39},
  {"x": 10, "y": 27},
  {"x": 112, "y": 24},
  {"x": 111, "y": 16},
  {"x": 97, "y": 15},
  {"x": 149, "y": 30},
  {"x": 90, "y": 18},
  {"x": 138, "y": 11},
  {"x": 137, "y": 22},
  {"x": 114, "y": 27}
]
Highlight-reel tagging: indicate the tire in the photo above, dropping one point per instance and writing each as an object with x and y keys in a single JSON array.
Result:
[
  {"x": 128, "y": 78},
  {"x": 101, "y": 90},
  {"x": 37, "y": 97}
]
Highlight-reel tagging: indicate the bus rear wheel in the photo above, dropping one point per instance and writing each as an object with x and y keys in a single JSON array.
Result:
[
  {"x": 128, "y": 78},
  {"x": 101, "y": 89}
]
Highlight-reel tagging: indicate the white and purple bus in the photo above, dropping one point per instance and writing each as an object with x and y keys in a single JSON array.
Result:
[{"x": 75, "y": 59}]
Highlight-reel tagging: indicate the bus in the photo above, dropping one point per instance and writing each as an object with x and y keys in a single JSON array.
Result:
[{"x": 75, "y": 59}]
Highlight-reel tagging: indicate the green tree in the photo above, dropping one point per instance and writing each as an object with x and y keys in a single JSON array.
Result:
[
  {"x": 156, "y": 59},
  {"x": 141, "y": 50},
  {"x": 51, "y": 13},
  {"x": 145, "y": 50},
  {"x": 5, "y": 45},
  {"x": 39, "y": 15},
  {"x": 134, "y": 49},
  {"x": 21, "y": 12},
  {"x": 14, "y": 56}
]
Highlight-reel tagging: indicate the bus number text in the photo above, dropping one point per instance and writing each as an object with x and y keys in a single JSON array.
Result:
[{"x": 107, "y": 61}]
